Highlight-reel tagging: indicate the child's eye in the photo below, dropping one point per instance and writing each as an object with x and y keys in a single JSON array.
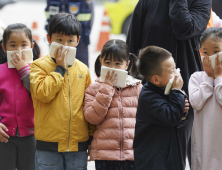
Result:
[
  {"x": 118, "y": 63},
  {"x": 70, "y": 40},
  {"x": 205, "y": 53},
  {"x": 24, "y": 45},
  {"x": 12, "y": 45},
  {"x": 107, "y": 62},
  {"x": 59, "y": 39},
  {"x": 216, "y": 52}
]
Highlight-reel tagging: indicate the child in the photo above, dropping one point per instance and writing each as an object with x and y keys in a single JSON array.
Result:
[
  {"x": 205, "y": 91},
  {"x": 156, "y": 143},
  {"x": 113, "y": 109},
  {"x": 57, "y": 91},
  {"x": 17, "y": 146}
]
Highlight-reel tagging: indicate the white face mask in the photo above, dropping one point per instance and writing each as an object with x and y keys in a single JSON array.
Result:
[
  {"x": 70, "y": 56},
  {"x": 121, "y": 76},
  {"x": 169, "y": 85},
  {"x": 28, "y": 56},
  {"x": 212, "y": 59}
]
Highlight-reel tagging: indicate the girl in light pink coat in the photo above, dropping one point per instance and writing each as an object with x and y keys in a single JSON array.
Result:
[
  {"x": 113, "y": 109},
  {"x": 205, "y": 91}
]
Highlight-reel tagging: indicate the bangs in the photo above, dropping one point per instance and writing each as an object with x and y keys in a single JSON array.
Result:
[
  {"x": 65, "y": 24},
  {"x": 113, "y": 53}
]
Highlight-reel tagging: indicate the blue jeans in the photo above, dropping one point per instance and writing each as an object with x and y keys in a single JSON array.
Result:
[{"x": 46, "y": 160}]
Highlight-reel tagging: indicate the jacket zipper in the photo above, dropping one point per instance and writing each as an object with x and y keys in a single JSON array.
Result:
[
  {"x": 69, "y": 111},
  {"x": 1, "y": 98},
  {"x": 121, "y": 126}
]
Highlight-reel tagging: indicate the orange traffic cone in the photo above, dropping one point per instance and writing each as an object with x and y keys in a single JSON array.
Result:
[
  {"x": 104, "y": 33},
  {"x": 34, "y": 31},
  {"x": 35, "y": 34}
]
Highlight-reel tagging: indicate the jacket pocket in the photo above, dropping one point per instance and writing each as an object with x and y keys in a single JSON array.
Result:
[{"x": 46, "y": 117}]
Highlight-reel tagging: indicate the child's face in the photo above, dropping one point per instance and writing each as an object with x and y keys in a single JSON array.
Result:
[
  {"x": 211, "y": 47},
  {"x": 17, "y": 41},
  {"x": 168, "y": 72},
  {"x": 65, "y": 40},
  {"x": 110, "y": 62}
]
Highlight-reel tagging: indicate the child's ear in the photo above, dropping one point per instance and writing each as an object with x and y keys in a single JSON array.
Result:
[
  {"x": 49, "y": 39},
  {"x": 127, "y": 65},
  {"x": 155, "y": 80},
  {"x": 33, "y": 45},
  {"x": 78, "y": 40},
  {"x": 3, "y": 47}
]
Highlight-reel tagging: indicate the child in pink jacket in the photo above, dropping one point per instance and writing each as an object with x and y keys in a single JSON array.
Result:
[
  {"x": 205, "y": 91},
  {"x": 113, "y": 109},
  {"x": 17, "y": 141}
]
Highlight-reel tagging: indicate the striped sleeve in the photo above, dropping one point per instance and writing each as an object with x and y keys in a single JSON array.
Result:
[{"x": 24, "y": 71}]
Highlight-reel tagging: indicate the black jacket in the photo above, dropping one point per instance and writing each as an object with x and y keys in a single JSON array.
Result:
[
  {"x": 156, "y": 143},
  {"x": 216, "y": 6},
  {"x": 175, "y": 25}
]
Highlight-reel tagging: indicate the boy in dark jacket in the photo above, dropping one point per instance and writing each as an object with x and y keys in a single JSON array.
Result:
[{"x": 156, "y": 143}]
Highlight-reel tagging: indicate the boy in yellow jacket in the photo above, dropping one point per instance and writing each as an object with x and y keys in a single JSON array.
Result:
[{"x": 57, "y": 90}]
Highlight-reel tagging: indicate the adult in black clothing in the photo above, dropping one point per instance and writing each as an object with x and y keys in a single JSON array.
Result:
[
  {"x": 216, "y": 6},
  {"x": 175, "y": 25}
]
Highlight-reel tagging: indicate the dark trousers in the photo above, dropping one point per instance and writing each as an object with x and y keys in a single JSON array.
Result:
[
  {"x": 114, "y": 165},
  {"x": 18, "y": 153},
  {"x": 184, "y": 133},
  {"x": 82, "y": 53}
]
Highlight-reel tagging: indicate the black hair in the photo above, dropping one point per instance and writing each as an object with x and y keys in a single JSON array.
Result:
[
  {"x": 6, "y": 35},
  {"x": 119, "y": 51},
  {"x": 214, "y": 32},
  {"x": 64, "y": 23},
  {"x": 150, "y": 60}
]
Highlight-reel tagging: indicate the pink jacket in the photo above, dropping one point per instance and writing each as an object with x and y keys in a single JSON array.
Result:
[
  {"x": 206, "y": 99},
  {"x": 114, "y": 113},
  {"x": 16, "y": 108}
]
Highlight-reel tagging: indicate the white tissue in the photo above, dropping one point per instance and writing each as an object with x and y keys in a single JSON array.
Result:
[
  {"x": 213, "y": 57},
  {"x": 169, "y": 85},
  {"x": 28, "y": 56},
  {"x": 121, "y": 76},
  {"x": 70, "y": 56}
]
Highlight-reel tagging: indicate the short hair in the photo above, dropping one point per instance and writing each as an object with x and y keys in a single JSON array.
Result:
[
  {"x": 64, "y": 23},
  {"x": 150, "y": 60}
]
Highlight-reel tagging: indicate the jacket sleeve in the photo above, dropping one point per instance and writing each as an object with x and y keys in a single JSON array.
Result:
[
  {"x": 158, "y": 110},
  {"x": 96, "y": 105},
  {"x": 218, "y": 90},
  {"x": 134, "y": 36},
  {"x": 24, "y": 73},
  {"x": 45, "y": 86},
  {"x": 199, "y": 92},
  {"x": 190, "y": 21},
  {"x": 92, "y": 127}
]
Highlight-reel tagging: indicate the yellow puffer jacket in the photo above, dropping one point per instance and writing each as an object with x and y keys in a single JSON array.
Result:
[{"x": 58, "y": 103}]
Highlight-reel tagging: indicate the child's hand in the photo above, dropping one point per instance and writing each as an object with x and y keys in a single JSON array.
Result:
[
  {"x": 17, "y": 61},
  {"x": 3, "y": 136},
  {"x": 178, "y": 82},
  {"x": 61, "y": 58},
  {"x": 110, "y": 78},
  {"x": 207, "y": 66},
  {"x": 186, "y": 108},
  {"x": 218, "y": 67}
]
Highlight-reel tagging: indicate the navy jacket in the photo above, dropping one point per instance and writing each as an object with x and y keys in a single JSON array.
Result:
[{"x": 156, "y": 143}]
